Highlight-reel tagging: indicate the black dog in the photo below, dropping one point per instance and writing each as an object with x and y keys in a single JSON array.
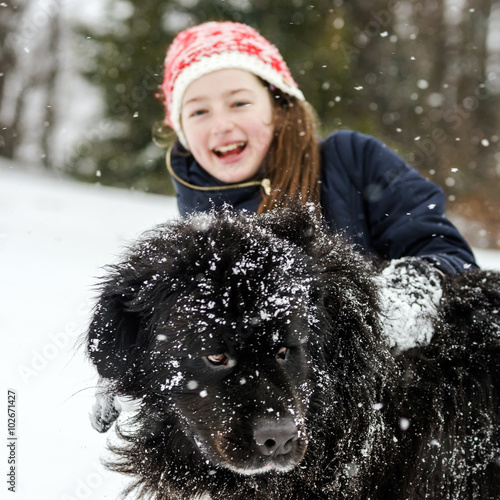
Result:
[{"x": 269, "y": 360}]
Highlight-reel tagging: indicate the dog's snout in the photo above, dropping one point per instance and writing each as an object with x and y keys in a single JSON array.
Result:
[{"x": 275, "y": 437}]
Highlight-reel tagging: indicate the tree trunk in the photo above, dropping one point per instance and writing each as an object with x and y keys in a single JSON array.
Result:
[{"x": 51, "y": 87}]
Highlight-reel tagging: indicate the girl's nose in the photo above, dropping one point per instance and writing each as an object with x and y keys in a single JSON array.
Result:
[{"x": 222, "y": 123}]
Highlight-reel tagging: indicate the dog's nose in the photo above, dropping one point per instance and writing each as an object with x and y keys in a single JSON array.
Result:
[{"x": 275, "y": 437}]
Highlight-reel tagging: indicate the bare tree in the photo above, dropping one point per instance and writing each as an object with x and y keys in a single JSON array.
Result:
[
  {"x": 29, "y": 67},
  {"x": 10, "y": 15},
  {"x": 50, "y": 85}
]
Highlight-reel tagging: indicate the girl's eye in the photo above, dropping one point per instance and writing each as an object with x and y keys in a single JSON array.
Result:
[
  {"x": 218, "y": 359},
  {"x": 241, "y": 104},
  {"x": 282, "y": 353},
  {"x": 198, "y": 112}
]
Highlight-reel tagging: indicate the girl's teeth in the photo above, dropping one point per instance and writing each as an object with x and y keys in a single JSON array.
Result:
[{"x": 229, "y": 147}]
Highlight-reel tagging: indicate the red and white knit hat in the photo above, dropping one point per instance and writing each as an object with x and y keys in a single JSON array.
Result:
[{"x": 213, "y": 46}]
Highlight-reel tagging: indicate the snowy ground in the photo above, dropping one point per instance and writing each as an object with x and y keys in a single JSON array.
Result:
[{"x": 55, "y": 236}]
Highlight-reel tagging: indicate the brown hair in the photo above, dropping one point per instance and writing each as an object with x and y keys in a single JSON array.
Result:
[{"x": 294, "y": 163}]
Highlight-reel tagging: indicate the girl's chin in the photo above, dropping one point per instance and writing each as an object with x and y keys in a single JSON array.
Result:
[
  {"x": 234, "y": 173},
  {"x": 233, "y": 178}
]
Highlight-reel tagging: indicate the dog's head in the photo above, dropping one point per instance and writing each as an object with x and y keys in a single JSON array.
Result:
[{"x": 215, "y": 320}]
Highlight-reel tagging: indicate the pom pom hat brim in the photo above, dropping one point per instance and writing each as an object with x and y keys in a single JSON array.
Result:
[{"x": 213, "y": 46}]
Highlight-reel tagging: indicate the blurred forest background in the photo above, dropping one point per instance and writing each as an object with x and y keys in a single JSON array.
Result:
[{"x": 78, "y": 83}]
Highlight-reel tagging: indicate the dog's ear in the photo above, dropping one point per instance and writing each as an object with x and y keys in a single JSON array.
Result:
[
  {"x": 122, "y": 315},
  {"x": 299, "y": 224},
  {"x": 123, "y": 318},
  {"x": 114, "y": 328}
]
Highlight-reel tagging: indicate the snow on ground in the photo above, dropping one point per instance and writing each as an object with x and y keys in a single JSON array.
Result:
[{"x": 55, "y": 237}]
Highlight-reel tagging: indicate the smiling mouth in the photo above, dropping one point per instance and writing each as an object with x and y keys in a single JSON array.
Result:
[{"x": 229, "y": 149}]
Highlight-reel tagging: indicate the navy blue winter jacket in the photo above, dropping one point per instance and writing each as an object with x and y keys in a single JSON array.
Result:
[{"x": 368, "y": 193}]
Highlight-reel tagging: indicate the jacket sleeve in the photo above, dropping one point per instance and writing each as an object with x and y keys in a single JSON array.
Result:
[{"x": 405, "y": 213}]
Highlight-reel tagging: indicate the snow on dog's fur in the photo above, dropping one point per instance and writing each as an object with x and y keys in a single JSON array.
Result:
[{"x": 269, "y": 360}]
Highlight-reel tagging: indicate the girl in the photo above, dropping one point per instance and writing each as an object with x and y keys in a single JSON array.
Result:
[{"x": 247, "y": 138}]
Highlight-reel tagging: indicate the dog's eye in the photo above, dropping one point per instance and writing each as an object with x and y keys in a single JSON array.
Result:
[
  {"x": 218, "y": 359},
  {"x": 281, "y": 354}
]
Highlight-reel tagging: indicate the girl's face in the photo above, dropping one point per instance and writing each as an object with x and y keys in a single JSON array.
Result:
[{"x": 227, "y": 118}]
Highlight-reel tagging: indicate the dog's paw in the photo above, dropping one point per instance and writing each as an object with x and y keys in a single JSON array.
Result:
[{"x": 104, "y": 412}]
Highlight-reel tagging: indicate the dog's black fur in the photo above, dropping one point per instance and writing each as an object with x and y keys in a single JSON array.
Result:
[{"x": 255, "y": 346}]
